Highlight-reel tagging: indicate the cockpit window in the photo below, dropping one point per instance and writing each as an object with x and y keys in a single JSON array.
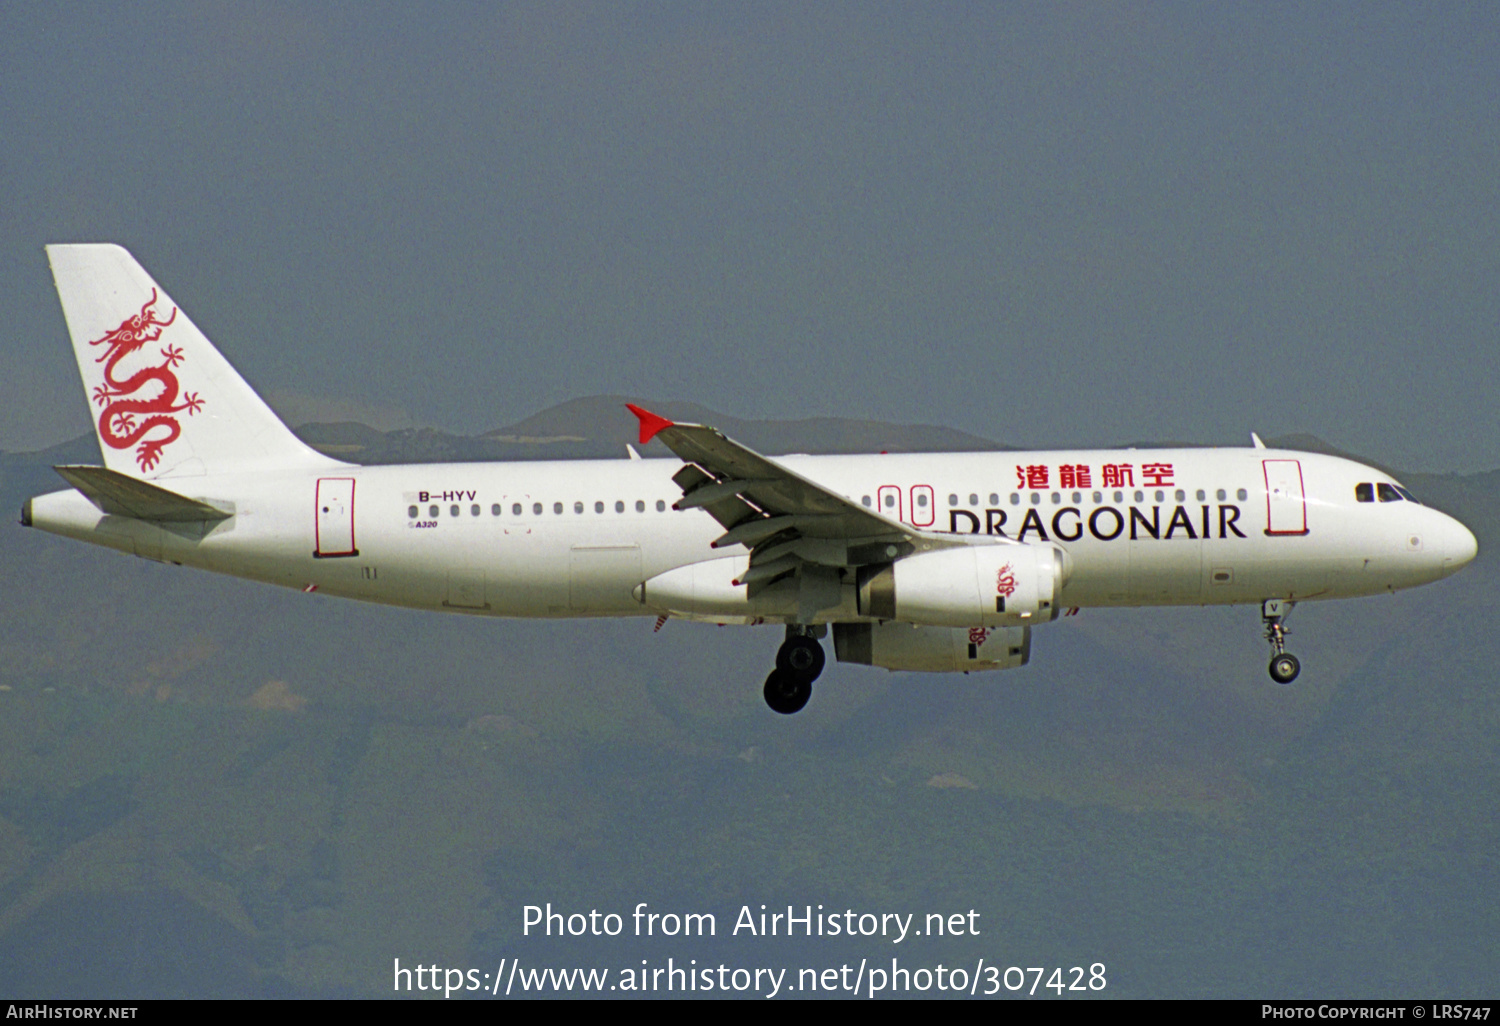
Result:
[
  {"x": 1364, "y": 492},
  {"x": 1388, "y": 492},
  {"x": 1407, "y": 495}
]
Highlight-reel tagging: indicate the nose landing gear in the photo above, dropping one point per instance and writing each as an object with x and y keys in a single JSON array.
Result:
[
  {"x": 799, "y": 661},
  {"x": 1284, "y": 666}
]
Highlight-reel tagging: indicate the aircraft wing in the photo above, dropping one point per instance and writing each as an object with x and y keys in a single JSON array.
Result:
[{"x": 785, "y": 519}]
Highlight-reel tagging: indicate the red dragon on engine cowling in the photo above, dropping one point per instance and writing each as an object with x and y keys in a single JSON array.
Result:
[{"x": 128, "y": 418}]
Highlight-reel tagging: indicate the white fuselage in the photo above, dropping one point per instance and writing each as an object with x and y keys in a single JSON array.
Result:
[{"x": 579, "y": 538}]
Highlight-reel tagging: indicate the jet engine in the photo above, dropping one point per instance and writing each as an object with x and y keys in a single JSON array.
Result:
[
  {"x": 901, "y": 646},
  {"x": 967, "y": 586}
]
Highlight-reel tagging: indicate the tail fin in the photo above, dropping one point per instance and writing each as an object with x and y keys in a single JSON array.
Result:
[{"x": 166, "y": 403}]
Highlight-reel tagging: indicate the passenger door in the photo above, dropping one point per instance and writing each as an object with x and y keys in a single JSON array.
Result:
[
  {"x": 1286, "y": 501},
  {"x": 335, "y": 518}
]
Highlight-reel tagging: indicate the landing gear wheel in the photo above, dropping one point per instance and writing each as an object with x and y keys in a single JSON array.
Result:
[
  {"x": 786, "y": 693},
  {"x": 802, "y": 657},
  {"x": 1284, "y": 668}
]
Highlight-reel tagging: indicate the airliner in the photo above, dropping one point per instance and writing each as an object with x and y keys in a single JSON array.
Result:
[{"x": 913, "y": 562}]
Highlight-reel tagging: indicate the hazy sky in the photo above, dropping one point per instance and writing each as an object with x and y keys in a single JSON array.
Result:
[{"x": 1046, "y": 224}]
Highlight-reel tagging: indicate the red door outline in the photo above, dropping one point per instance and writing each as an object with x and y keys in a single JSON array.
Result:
[
  {"x": 931, "y": 511},
  {"x": 333, "y": 522},
  {"x": 880, "y": 494},
  {"x": 1286, "y": 497}
]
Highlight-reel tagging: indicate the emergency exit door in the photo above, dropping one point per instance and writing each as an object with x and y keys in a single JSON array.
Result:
[
  {"x": 335, "y": 519},
  {"x": 888, "y": 501}
]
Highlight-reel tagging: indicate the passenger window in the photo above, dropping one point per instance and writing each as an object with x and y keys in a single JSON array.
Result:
[
  {"x": 619, "y": 506},
  {"x": 1364, "y": 492},
  {"x": 453, "y": 509},
  {"x": 1202, "y": 495},
  {"x": 1388, "y": 493},
  {"x": 1161, "y": 496},
  {"x": 994, "y": 499},
  {"x": 598, "y": 507},
  {"x": 515, "y": 510},
  {"x": 1077, "y": 498},
  {"x": 577, "y": 507},
  {"x": 1098, "y": 496},
  {"x": 1242, "y": 495},
  {"x": 1140, "y": 496},
  {"x": 1222, "y": 495},
  {"x": 1119, "y": 496},
  {"x": 495, "y": 510},
  {"x": 474, "y": 510},
  {"x": 1056, "y": 498},
  {"x": 922, "y": 499},
  {"x": 1015, "y": 499},
  {"x": 952, "y": 500},
  {"x": 536, "y": 509},
  {"x": 973, "y": 499},
  {"x": 411, "y": 511},
  {"x": 1181, "y": 495},
  {"x": 432, "y": 512},
  {"x": 661, "y": 504},
  {"x": 556, "y": 507},
  {"x": 866, "y": 501},
  {"x": 890, "y": 500},
  {"x": 640, "y": 505},
  {"x": 1036, "y": 498}
]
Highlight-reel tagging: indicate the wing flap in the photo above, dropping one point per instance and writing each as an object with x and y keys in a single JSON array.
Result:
[{"x": 701, "y": 489}]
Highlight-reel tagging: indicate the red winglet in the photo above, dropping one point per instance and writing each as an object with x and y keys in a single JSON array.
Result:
[{"x": 650, "y": 422}]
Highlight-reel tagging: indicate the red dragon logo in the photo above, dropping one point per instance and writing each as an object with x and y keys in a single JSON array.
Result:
[
  {"x": 129, "y": 418},
  {"x": 1005, "y": 582}
]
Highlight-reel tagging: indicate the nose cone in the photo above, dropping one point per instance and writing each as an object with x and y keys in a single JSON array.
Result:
[{"x": 1459, "y": 547}]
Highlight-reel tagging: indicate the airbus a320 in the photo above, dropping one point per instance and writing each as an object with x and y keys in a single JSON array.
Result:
[{"x": 939, "y": 562}]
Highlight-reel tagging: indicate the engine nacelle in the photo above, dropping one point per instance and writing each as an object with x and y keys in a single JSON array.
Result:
[
  {"x": 900, "y": 646},
  {"x": 983, "y": 585}
]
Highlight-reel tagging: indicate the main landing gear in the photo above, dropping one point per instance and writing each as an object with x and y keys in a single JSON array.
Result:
[
  {"x": 1284, "y": 666},
  {"x": 799, "y": 661}
]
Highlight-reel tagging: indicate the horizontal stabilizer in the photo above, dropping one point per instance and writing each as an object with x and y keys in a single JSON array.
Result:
[{"x": 122, "y": 495}]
